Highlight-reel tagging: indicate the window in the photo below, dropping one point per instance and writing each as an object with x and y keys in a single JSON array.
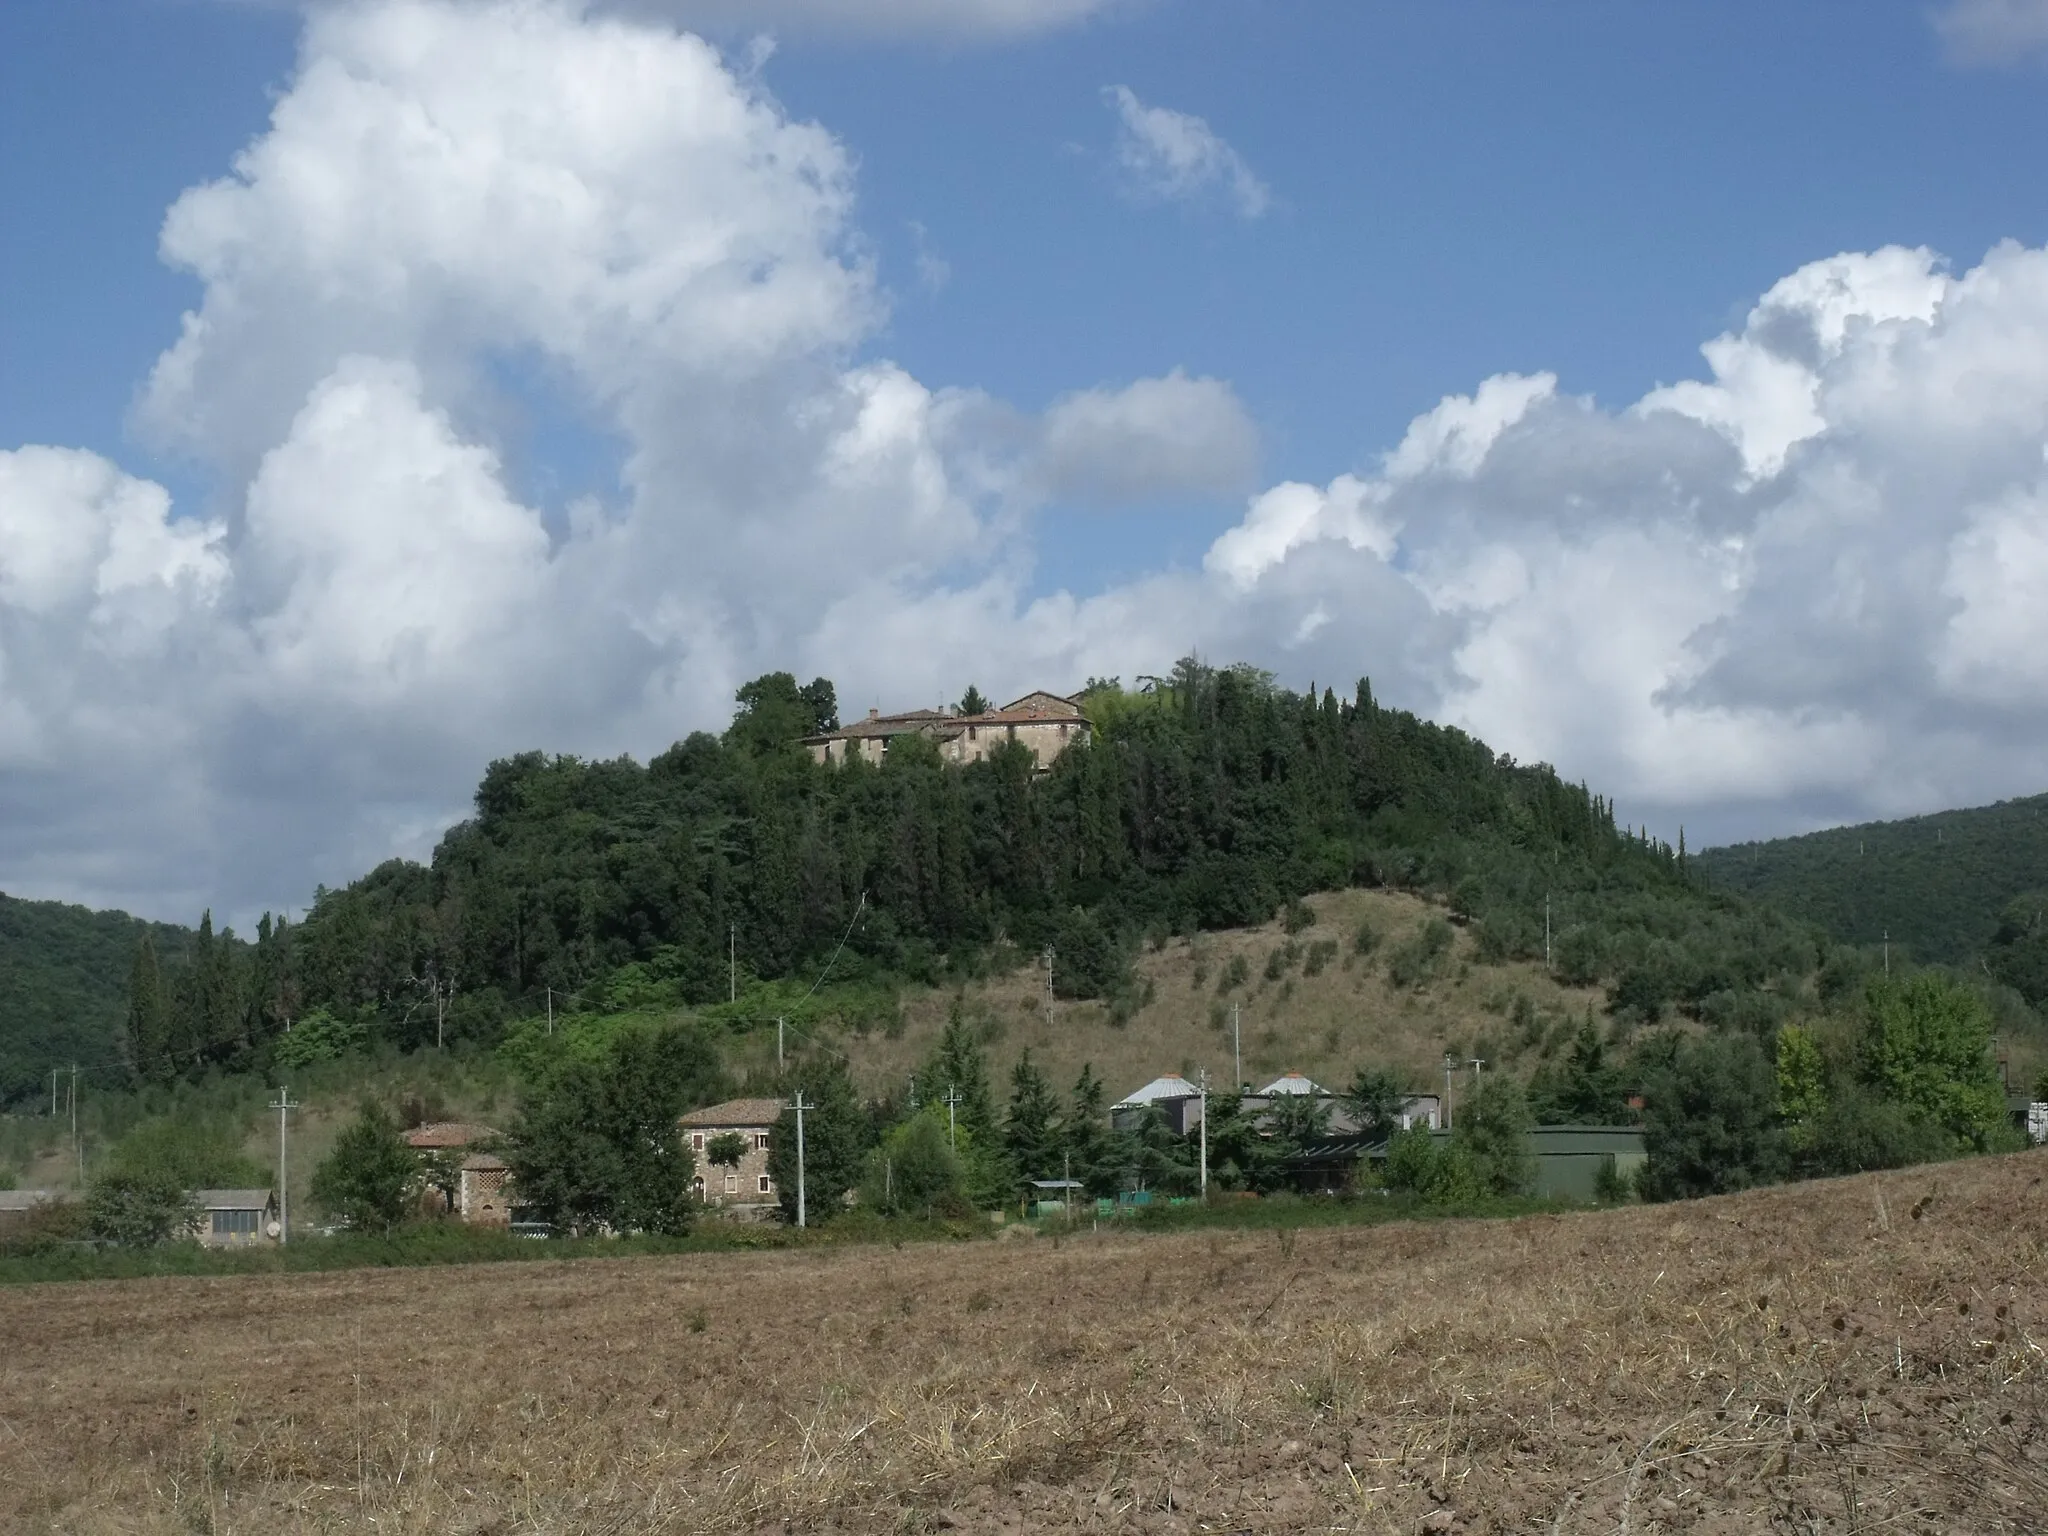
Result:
[
  {"x": 732, "y": 1183},
  {"x": 1010, "y": 732},
  {"x": 761, "y": 1139},
  {"x": 765, "y": 1185},
  {"x": 696, "y": 1141},
  {"x": 697, "y": 1184},
  {"x": 234, "y": 1223},
  {"x": 971, "y": 732}
]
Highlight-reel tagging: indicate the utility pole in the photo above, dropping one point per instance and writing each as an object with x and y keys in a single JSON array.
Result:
[
  {"x": 1049, "y": 952},
  {"x": 732, "y": 962},
  {"x": 952, "y": 1102},
  {"x": 1546, "y": 930},
  {"x": 801, "y": 1106},
  {"x": 778, "y": 1042},
  {"x": 1887, "y": 951},
  {"x": 283, "y": 1105},
  {"x": 1236, "y": 1050},
  {"x": 551, "y": 1013},
  {"x": 1450, "y": 1066},
  {"x": 1202, "y": 1082},
  {"x": 53, "y": 1091},
  {"x": 913, "y": 1091},
  {"x": 77, "y": 1146},
  {"x": 1476, "y": 1065}
]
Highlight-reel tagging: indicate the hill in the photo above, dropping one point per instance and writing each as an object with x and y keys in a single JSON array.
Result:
[
  {"x": 64, "y": 991},
  {"x": 1311, "y": 1001},
  {"x": 1938, "y": 885},
  {"x": 1850, "y": 1355}
]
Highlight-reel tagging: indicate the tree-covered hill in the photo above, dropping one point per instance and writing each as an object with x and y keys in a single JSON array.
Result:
[
  {"x": 64, "y": 990},
  {"x": 1211, "y": 799},
  {"x": 1939, "y": 885}
]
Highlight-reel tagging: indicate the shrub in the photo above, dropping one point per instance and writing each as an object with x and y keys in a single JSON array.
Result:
[
  {"x": 1297, "y": 917},
  {"x": 1320, "y": 954},
  {"x": 1236, "y": 972},
  {"x": 1365, "y": 938},
  {"x": 366, "y": 1181},
  {"x": 139, "y": 1209},
  {"x": 1493, "y": 1131},
  {"x": 1422, "y": 957},
  {"x": 1710, "y": 1122},
  {"x": 319, "y": 1036}
]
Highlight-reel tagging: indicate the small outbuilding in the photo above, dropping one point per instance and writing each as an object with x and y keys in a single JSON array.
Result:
[{"x": 235, "y": 1218}]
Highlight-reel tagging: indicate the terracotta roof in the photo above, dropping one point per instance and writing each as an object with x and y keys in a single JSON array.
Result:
[
  {"x": 1039, "y": 706},
  {"x": 440, "y": 1135},
  {"x": 735, "y": 1113},
  {"x": 232, "y": 1199}
]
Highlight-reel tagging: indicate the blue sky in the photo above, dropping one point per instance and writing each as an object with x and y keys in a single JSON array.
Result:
[{"x": 1401, "y": 202}]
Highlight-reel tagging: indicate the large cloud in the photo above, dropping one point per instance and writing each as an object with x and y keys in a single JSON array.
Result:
[{"x": 1808, "y": 585}]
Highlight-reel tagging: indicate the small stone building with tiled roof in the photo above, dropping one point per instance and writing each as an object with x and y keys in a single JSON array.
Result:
[
  {"x": 749, "y": 1189},
  {"x": 1045, "y": 723},
  {"x": 479, "y": 1191}
]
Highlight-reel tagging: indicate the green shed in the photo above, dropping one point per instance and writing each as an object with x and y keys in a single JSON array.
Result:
[{"x": 1569, "y": 1158}]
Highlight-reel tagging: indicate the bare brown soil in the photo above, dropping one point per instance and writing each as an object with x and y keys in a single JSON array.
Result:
[{"x": 1858, "y": 1356}]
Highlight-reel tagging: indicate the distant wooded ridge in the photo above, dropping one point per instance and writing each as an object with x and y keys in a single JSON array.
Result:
[{"x": 1938, "y": 885}]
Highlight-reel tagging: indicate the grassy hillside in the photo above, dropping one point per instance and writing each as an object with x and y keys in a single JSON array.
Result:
[
  {"x": 1936, "y": 884},
  {"x": 64, "y": 991},
  {"x": 1328, "y": 1011}
]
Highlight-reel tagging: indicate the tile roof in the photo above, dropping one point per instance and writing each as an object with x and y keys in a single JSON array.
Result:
[
  {"x": 735, "y": 1113},
  {"x": 439, "y": 1135},
  {"x": 232, "y": 1199}
]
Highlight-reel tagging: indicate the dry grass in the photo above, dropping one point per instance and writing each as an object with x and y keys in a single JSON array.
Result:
[
  {"x": 1859, "y": 1356},
  {"x": 1328, "y": 1025}
]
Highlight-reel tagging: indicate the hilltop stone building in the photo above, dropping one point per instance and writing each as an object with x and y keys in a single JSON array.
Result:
[{"x": 1046, "y": 723}]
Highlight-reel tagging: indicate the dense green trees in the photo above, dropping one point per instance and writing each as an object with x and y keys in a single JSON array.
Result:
[
  {"x": 1711, "y": 1121},
  {"x": 597, "y": 1144},
  {"x": 1213, "y": 799},
  {"x": 837, "y": 1135},
  {"x": 369, "y": 1180}
]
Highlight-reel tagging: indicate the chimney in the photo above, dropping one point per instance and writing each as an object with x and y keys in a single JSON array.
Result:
[{"x": 874, "y": 714}]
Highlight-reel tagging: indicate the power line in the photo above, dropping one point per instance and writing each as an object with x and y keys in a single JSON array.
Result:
[
  {"x": 801, "y": 1106},
  {"x": 283, "y": 1104}
]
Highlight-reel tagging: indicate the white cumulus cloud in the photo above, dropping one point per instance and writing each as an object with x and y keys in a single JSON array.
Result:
[
  {"x": 1177, "y": 157},
  {"x": 1994, "y": 31},
  {"x": 1809, "y": 585}
]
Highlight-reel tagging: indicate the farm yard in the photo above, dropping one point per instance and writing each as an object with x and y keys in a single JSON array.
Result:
[{"x": 1857, "y": 1356}]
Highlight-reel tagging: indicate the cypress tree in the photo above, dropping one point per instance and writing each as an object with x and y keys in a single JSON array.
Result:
[{"x": 149, "y": 1020}]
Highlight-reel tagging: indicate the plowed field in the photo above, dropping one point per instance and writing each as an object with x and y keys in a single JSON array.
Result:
[{"x": 1864, "y": 1355}]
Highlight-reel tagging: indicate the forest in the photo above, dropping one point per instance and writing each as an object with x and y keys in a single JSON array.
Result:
[
  {"x": 64, "y": 975},
  {"x": 1936, "y": 887},
  {"x": 1207, "y": 799}
]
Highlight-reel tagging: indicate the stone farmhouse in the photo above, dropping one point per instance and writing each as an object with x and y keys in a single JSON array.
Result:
[
  {"x": 748, "y": 1190},
  {"x": 482, "y": 1195},
  {"x": 1044, "y": 722}
]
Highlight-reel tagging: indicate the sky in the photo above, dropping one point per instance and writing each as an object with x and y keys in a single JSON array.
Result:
[{"x": 388, "y": 386}]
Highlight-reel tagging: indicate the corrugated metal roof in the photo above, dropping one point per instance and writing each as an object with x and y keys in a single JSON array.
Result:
[
  {"x": 1293, "y": 1082},
  {"x": 1171, "y": 1086},
  {"x": 756, "y": 1114}
]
